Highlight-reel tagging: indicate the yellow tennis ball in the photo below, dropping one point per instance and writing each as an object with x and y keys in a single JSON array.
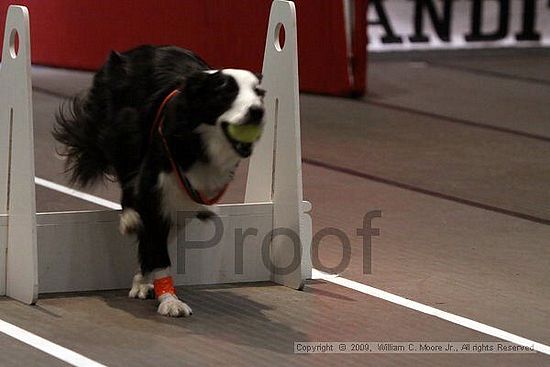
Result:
[{"x": 247, "y": 133}]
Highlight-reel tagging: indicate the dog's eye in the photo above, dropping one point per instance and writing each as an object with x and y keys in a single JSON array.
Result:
[
  {"x": 221, "y": 85},
  {"x": 259, "y": 91}
]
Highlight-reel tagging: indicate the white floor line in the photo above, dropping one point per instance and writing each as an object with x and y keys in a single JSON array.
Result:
[
  {"x": 47, "y": 346},
  {"x": 79, "y": 194},
  {"x": 413, "y": 305},
  {"x": 360, "y": 287}
]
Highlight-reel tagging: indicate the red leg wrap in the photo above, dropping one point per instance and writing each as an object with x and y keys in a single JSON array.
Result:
[{"x": 163, "y": 286}]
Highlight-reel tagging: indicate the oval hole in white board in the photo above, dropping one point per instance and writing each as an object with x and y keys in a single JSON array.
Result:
[
  {"x": 279, "y": 37},
  {"x": 14, "y": 43}
]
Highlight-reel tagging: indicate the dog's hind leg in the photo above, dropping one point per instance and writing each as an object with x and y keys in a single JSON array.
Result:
[
  {"x": 142, "y": 287},
  {"x": 130, "y": 221}
]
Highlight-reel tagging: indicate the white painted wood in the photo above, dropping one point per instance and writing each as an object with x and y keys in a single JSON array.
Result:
[
  {"x": 275, "y": 170},
  {"x": 4, "y": 166},
  {"x": 83, "y": 251},
  {"x": 3, "y": 246},
  {"x": 16, "y": 111},
  {"x": 306, "y": 236}
]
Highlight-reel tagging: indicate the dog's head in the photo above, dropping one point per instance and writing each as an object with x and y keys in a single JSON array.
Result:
[{"x": 214, "y": 100}]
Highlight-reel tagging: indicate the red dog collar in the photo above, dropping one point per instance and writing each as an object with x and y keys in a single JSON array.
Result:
[{"x": 184, "y": 183}]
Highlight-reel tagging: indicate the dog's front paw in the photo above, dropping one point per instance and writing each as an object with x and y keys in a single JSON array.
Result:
[{"x": 171, "y": 306}]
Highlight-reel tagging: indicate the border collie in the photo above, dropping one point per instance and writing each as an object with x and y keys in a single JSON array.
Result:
[{"x": 156, "y": 119}]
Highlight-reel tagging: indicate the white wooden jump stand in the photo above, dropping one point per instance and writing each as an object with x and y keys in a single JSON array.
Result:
[{"x": 81, "y": 251}]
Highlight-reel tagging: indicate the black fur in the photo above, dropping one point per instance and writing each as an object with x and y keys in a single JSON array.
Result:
[{"x": 107, "y": 130}]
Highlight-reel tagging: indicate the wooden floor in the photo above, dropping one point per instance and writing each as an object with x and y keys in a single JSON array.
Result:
[{"x": 454, "y": 152}]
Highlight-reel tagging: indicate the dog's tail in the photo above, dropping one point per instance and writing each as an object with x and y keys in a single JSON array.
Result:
[{"x": 80, "y": 134}]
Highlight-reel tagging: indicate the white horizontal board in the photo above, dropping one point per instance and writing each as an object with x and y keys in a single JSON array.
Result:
[{"x": 83, "y": 251}]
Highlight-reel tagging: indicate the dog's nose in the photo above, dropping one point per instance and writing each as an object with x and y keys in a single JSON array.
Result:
[{"x": 255, "y": 115}]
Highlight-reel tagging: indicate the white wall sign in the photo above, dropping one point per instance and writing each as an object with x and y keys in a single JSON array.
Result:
[{"x": 401, "y": 25}]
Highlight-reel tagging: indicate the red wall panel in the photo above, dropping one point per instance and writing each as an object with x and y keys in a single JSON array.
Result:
[{"x": 79, "y": 34}]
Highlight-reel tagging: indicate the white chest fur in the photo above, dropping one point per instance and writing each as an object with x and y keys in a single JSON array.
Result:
[{"x": 173, "y": 197}]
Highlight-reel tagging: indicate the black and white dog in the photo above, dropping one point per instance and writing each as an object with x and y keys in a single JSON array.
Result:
[{"x": 156, "y": 118}]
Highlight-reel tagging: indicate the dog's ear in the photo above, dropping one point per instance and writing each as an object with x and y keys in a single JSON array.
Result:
[
  {"x": 208, "y": 87},
  {"x": 115, "y": 58},
  {"x": 218, "y": 81},
  {"x": 205, "y": 95},
  {"x": 200, "y": 83},
  {"x": 115, "y": 65},
  {"x": 194, "y": 84}
]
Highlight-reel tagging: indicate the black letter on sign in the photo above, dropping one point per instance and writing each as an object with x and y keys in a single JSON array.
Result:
[
  {"x": 390, "y": 37},
  {"x": 442, "y": 25},
  {"x": 528, "y": 32},
  {"x": 477, "y": 16}
]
